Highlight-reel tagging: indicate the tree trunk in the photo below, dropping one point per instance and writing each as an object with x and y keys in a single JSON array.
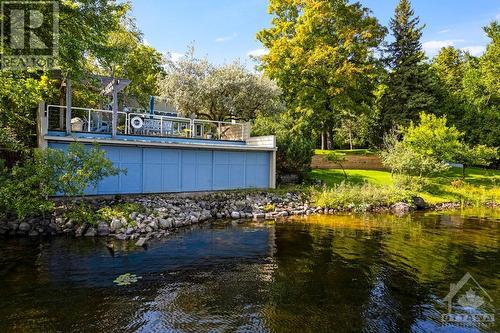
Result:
[
  {"x": 322, "y": 140},
  {"x": 350, "y": 139},
  {"x": 329, "y": 139}
]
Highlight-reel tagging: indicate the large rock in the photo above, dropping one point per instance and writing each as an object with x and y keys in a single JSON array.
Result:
[
  {"x": 102, "y": 229},
  {"x": 165, "y": 223},
  {"x": 400, "y": 208},
  {"x": 419, "y": 203},
  {"x": 80, "y": 231},
  {"x": 235, "y": 215},
  {"x": 141, "y": 242},
  {"x": 91, "y": 232},
  {"x": 24, "y": 227},
  {"x": 33, "y": 233},
  {"x": 116, "y": 224}
]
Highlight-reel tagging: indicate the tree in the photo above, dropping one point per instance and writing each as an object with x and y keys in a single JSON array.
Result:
[
  {"x": 481, "y": 92},
  {"x": 432, "y": 137},
  {"x": 194, "y": 86},
  {"x": 409, "y": 85},
  {"x": 479, "y": 155},
  {"x": 337, "y": 159},
  {"x": 425, "y": 147},
  {"x": 295, "y": 149},
  {"x": 321, "y": 55},
  {"x": 84, "y": 29}
]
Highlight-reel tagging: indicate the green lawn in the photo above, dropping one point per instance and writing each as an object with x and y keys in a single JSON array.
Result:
[{"x": 480, "y": 185}]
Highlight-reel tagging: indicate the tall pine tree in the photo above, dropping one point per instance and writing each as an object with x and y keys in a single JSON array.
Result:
[{"x": 409, "y": 84}]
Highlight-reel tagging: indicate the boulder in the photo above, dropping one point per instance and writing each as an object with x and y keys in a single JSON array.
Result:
[
  {"x": 235, "y": 215},
  {"x": 116, "y": 224},
  {"x": 24, "y": 227},
  {"x": 141, "y": 242},
  {"x": 419, "y": 203},
  {"x": 102, "y": 229},
  {"x": 400, "y": 208},
  {"x": 121, "y": 237},
  {"x": 257, "y": 216},
  {"x": 91, "y": 232},
  {"x": 33, "y": 233},
  {"x": 80, "y": 231}
]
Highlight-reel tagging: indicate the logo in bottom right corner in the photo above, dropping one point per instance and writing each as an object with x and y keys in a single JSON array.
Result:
[{"x": 468, "y": 304}]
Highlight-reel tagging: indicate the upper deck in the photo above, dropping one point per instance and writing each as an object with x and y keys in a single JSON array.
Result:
[{"x": 148, "y": 129}]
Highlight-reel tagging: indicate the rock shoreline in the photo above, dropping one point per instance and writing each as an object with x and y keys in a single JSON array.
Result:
[{"x": 164, "y": 214}]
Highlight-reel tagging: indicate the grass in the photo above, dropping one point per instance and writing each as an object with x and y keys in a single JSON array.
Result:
[
  {"x": 345, "y": 152},
  {"x": 479, "y": 186}
]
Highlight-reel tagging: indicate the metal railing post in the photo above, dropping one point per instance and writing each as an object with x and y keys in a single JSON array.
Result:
[{"x": 88, "y": 122}]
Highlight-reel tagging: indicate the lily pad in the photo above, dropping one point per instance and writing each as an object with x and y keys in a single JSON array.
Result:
[{"x": 127, "y": 279}]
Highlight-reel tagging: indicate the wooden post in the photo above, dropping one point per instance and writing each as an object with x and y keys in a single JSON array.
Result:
[
  {"x": 42, "y": 126},
  {"x": 68, "y": 105},
  {"x": 115, "y": 109}
]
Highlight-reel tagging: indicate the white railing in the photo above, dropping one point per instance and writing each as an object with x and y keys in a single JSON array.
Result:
[
  {"x": 85, "y": 120},
  {"x": 99, "y": 121}
]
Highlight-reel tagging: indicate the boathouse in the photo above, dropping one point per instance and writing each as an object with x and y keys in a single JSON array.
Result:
[{"x": 162, "y": 153}]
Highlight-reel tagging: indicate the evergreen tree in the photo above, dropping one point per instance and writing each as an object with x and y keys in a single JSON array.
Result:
[{"x": 409, "y": 85}]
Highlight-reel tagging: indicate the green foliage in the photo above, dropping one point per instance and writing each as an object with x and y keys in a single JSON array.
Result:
[
  {"x": 213, "y": 92},
  {"x": 345, "y": 194},
  {"x": 82, "y": 213},
  {"x": 478, "y": 187},
  {"x": 26, "y": 188},
  {"x": 321, "y": 54},
  {"x": 432, "y": 137},
  {"x": 78, "y": 168},
  {"x": 295, "y": 148},
  {"x": 404, "y": 160},
  {"x": 409, "y": 86},
  {"x": 469, "y": 90},
  {"x": 120, "y": 211},
  {"x": 269, "y": 208},
  {"x": 127, "y": 279},
  {"x": 426, "y": 146}
]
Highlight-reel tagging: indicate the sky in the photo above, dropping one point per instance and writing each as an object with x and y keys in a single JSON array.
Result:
[{"x": 224, "y": 30}]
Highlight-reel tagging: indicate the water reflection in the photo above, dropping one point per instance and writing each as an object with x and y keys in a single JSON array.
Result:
[{"x": 323, "y": 273}]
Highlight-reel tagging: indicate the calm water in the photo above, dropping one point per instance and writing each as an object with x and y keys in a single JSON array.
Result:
[{"x": 321, "y": 274}]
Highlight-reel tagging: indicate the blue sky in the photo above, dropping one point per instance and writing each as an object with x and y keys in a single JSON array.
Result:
[{"x": 224, "y": 30}]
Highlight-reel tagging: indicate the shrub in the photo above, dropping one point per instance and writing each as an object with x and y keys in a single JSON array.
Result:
[
  {"x": 295, "y": 150},
  {"x": 344, "y": 194},
  {"x": 82, "y": 213},
  {"x": 403, "y": 160},
  {"x": 119, "y": 211},
  {"x": 25, "y": 189},
  {"x": 78, "y": 168}
]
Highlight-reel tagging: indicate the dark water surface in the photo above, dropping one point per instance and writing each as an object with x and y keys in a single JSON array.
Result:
[{"x": 320, "y": 274}]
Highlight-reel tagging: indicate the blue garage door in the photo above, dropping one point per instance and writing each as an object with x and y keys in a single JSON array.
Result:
[{"x": 162, "y": 170}]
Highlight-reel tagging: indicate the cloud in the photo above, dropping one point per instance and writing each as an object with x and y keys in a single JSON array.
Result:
[
  {"x": 475, "y": 50},
  {"x": 257, "y": 53},
  {"x": 226, "y": 38},
  {"x": 444, "y": 31},
  {"x": 433, "y": 46},
  {"x": 497, "y": 17}
]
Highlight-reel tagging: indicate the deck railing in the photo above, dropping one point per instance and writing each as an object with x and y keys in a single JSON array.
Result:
[{"x": 144, "y": 124}]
